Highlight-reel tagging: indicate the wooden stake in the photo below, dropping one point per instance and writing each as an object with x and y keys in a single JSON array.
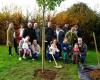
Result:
[{"x": 96, "y": 47}]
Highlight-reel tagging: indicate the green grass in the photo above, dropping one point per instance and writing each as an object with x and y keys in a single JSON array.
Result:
[
  {"x": 13, "y": 69},
  {"x": 91, "y": 58}
]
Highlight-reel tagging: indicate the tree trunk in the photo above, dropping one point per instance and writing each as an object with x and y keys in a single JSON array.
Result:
[{"x": 43, "y": 39}]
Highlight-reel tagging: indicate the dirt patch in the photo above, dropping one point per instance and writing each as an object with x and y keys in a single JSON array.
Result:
[
  {"x": 95, "y": 74},
  {"x": 46, "y": 75}
]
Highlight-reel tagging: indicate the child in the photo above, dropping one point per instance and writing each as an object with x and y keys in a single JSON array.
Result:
[
  {"x": 65, "y": 47},
  {"x": 76, "y": 53},
  {"x": 35, "y": 49},
  {"x": 25, "y": 47},
  {"x": 20, "y": 48},
  {"x": 53, "y": 50}
]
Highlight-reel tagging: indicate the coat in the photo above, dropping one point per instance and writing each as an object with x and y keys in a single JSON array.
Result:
[
  {"x": 64, "y": 47},
  {"x": 10, "y": 38},
  {"x": 37, "y": 30},
  {"x": 49, "y": 34},
  {"x": 31, "y": 33},
  {"x": 60, "y": 36},
  {"x": 72, "y": 37}
]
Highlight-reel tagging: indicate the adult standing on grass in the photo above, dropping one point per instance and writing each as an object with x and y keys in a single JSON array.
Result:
[
  {"x": 10, "y": 38},
  {"x": 37, "y": 30},
  {"x": 29, "y": 31},
  {"x": 15, "y": 42},
  {"x": 49, "y": 34}
]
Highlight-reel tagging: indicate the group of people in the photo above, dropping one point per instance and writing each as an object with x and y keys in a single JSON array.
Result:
[
  {"x": 64, "y": 43},
  {"x": 26, "y": 43}
]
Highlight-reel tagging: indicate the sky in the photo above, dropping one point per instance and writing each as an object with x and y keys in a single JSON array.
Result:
[{"x": 31, "y": 5}]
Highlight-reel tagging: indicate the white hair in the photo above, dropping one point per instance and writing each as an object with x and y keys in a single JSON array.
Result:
[{"x": 80, "y": 40}]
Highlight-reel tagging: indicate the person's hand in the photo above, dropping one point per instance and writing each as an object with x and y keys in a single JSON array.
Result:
[{"x": 57, "y": 50}]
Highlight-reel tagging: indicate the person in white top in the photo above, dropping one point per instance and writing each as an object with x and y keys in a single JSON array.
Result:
[
  {"x": 21, "y": 49},
  {"x": 25, "y": 46},
  {"x": 35, "y": 49},
  {"x": 53, "y": 50}
]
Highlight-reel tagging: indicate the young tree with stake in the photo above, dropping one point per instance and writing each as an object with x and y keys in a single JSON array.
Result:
[{"x": 46, "y": 5}]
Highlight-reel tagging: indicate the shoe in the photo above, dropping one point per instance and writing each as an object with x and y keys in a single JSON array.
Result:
[
  {"x": 20, "y": 59},
  {"x": 33, "y": 59}
]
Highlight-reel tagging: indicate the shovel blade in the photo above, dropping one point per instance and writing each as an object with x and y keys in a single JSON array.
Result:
[{"x": 58, "y": 66}]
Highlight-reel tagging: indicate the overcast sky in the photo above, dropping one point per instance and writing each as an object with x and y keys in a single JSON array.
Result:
[{"x": 31, "y": 5}]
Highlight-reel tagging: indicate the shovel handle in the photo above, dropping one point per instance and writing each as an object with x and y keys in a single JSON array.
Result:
[{"x": 54, "y": 60}]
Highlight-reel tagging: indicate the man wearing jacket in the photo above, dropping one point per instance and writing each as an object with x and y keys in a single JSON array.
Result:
[{"x": 29, "y": 31}]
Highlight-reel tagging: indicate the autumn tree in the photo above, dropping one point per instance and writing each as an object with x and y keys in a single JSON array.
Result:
[
  {"x": 80, "y": 14},
  {"x": 7, "y": 16}
]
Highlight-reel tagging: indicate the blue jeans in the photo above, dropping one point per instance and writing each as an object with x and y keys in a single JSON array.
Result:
[
  {"x": 82, "y": 58},
  {"x": 49, "y": 56},
  {"x": 34, "y": 55}
]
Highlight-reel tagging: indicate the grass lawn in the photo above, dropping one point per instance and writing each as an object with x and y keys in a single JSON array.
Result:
[{"x": 13, "y": 69}]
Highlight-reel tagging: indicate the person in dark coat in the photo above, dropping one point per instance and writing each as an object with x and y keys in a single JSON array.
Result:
[
  {"x": 49, "y": 33},
  {"x": 78, "y": 31},
  {"x": 29, "y": 31},
  {"x": 66, "y": 28},
  {"x": 59, "y": 35},
  {"x": 37, "y": 30}
]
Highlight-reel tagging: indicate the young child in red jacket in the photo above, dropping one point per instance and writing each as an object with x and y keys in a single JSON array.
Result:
[{"x": 76, "y": 53}]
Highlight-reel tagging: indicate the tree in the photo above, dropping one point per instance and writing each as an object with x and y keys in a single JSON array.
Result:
[
  {"x": 7, "y": 16},
  {"x": 46, "y": 5}
]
